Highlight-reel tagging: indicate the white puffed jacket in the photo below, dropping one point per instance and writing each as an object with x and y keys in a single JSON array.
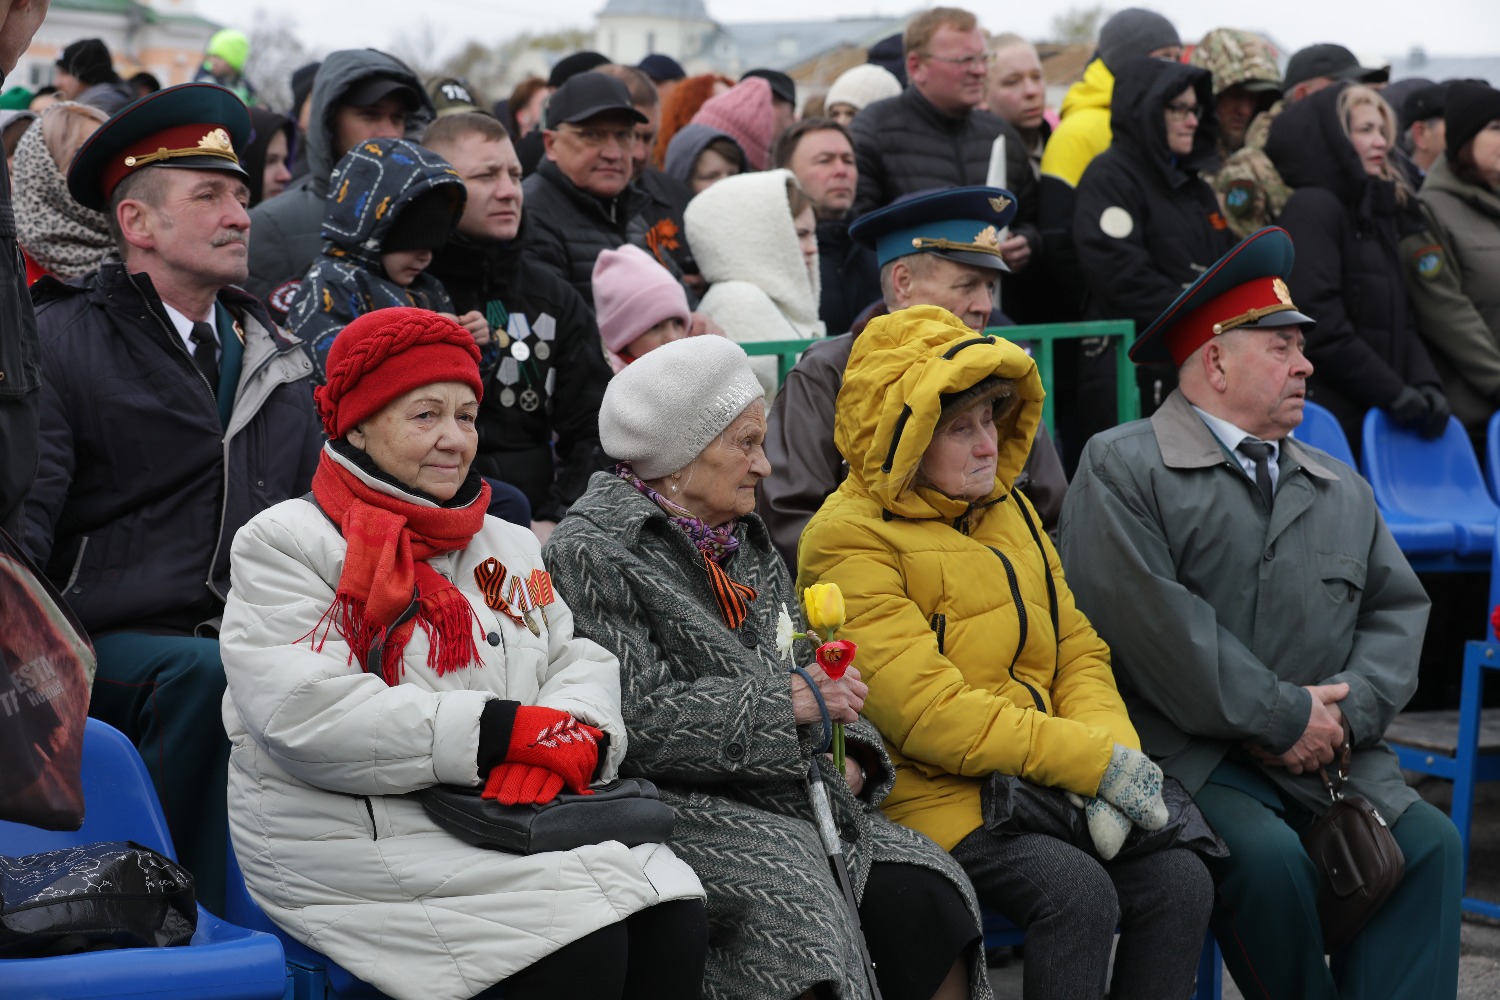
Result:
[{"x": 323, "y": 752}]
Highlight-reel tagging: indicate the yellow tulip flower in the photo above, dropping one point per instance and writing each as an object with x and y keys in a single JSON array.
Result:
[{"x": 825, "y": 608}]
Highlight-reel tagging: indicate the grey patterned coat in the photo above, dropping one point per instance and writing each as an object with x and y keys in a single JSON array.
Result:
[{"x": 709, "y": 716}]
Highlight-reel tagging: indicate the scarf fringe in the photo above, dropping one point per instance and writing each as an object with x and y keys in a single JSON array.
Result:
[{"x": 448, "y": 620}]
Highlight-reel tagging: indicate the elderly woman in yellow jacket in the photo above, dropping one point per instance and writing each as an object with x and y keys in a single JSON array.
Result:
[{"x": 979, "y": 663}]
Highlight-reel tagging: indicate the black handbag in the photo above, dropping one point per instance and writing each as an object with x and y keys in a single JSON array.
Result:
[
  {"x": 1357, "y": 857},
  {"x": 110, "y": 894},
  {"x": 626, "y": 809},
  {"x": 1012, "y": 805}
]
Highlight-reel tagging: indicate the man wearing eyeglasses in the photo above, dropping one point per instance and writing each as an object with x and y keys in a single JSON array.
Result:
[
  {"x": 932, "y": 135},
  {"x": 581, "y": 200}
]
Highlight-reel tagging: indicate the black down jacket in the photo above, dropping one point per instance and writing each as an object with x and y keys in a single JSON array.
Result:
[
  {"x": 904, "y": 144},
  {"x": 516, "y": 429},
  {"x": 1145, "y": 225},
  {"x": 20, "y": 371},
  {"x": 1346, "y": 226},
  {"x": 569, "y": 227},
  {"x": 141, "y": 488}
]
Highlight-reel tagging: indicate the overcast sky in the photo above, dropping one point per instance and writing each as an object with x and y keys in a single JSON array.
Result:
[{"x": 1442, "y": 27}]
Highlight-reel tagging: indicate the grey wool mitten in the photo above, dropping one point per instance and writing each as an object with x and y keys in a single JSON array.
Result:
[
  {"x": 1108, "y": 827},
  {"x": 1132, "y": 784}
]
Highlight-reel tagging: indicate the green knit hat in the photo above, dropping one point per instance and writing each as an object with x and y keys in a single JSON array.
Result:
[
  {"x": 231, "y": 46},
  {"x": 16, "y": 99}
]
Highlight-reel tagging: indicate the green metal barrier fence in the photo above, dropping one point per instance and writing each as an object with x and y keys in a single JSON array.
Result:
[{"x": 1043, "y": 339}]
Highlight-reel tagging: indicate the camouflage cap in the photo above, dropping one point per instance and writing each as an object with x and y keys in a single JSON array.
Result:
[{"x": 1240, "y": 58}]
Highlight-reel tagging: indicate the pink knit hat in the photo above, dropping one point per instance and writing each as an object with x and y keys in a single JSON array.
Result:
[
  {"x": 633, "y": 293},
  {"x": 745, "y": 112}
]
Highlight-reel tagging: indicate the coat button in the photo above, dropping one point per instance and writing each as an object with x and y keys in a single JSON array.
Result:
[
  {"x": 749, "y": 638},
  {"x": 493, "y": 638},
  {"x": 734, "y": 751}
]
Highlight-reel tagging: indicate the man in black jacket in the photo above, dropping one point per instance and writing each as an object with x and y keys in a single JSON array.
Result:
[
  {"x": 933, "y": 136},
  {"x": 581, "y": 200},
  {"x": 552, "y": 372},
  {"x": 20, "y": 372},
  {"x": 820, "y": 152},
  {"x": 173, "y": 411}
]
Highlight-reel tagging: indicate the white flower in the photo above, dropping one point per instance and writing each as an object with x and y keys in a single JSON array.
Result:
[{"x": 784, "y": 633}]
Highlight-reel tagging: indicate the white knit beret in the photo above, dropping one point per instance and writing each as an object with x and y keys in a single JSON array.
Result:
[
  {"x": 862, "y": 85},
  {"x": 666, "y": 406}
]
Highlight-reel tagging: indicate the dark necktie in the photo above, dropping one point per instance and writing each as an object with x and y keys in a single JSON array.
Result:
[
  {"x": 205, "y": 354},
  {"x": 1260, "y": 453}
]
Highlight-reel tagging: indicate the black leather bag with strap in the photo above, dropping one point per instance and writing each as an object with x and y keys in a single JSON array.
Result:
[{"x": 1357, "y": 857}]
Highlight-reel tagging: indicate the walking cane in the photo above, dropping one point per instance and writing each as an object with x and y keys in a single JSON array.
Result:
[{"x": 829, "y": 834}]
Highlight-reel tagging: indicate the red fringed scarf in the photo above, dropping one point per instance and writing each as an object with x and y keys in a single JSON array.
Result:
[{"x": 388, "y": 539}]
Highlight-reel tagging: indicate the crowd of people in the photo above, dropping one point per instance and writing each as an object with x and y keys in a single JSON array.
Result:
[{"x": 409, "y": 438}]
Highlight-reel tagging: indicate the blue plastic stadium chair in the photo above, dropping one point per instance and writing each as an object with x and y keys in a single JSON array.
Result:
[
  {"x": 999, "y": 932},
  {"x": 222, "y": 960},
  {"x": 1321, "y": 429},
  {"x": 313, "y": 976},
  {"x": 1427, "y": 489},
  {"x": 1492, "y": 455}
]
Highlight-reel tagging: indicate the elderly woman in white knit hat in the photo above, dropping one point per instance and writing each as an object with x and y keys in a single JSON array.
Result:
[
  {"x": 666, "y": 565},
  {"x": 856, "y": 88}
]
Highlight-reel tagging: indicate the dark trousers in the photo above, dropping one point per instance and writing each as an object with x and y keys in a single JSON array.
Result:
[
  {"x": 166, "y": 693},
  {"x": 655, "y": 954},
  {"x": 916, "y": 925},
  {"x": 1070, "y": 903},
  {"x": 1266, "y": 920}
]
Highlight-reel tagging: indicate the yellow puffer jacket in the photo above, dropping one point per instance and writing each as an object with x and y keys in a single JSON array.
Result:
[
  {"x": 930, "y": 585},
  {"x": 1083, "y": 130}
]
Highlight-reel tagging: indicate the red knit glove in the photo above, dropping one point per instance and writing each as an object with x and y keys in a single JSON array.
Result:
[
  {"x": 522, "y": 784},
  {"x": 555, "y": 740}
]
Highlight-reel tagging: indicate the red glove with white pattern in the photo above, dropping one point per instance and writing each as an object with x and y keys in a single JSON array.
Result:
[
  {"x": 546, "y": 737},
  {"x": 522, "y": 784}
]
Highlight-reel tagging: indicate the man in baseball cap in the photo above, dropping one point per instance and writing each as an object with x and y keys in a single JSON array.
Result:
[
  {"x": 1315, "y": 67},
  {"x": 173, "y": 411},
  {"x": 581, "y": 199}
]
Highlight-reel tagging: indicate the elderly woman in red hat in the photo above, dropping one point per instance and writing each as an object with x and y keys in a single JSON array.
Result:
[{"x": 383, "y": 636}]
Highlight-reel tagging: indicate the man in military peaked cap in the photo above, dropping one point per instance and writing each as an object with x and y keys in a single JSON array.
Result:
[
  {"x": 937, "y": 248},
  {"x": 173, "y": 411},
  {"x": 1262, "y": 620}
]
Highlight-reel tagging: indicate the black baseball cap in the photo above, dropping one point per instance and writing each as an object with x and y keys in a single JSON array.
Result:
[
  {"x": 1333, "y": 61},
  {"x": 572, "y": 64},
  {"x": 783, "y": 88},
  {"x": 589, "y": 95},
  {"x": 1424, "y": 103},
  {"x": 376, "y": 88},
  {"x": 661, "y": 68}
]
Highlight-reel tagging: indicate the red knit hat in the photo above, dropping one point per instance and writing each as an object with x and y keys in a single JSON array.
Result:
[
  {"x": 745, "y": 112},
  {"x": 387, "y": 353}
]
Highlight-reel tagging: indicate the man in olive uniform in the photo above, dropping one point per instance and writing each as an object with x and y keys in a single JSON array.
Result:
[{"x": 1261, "y": 620}]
